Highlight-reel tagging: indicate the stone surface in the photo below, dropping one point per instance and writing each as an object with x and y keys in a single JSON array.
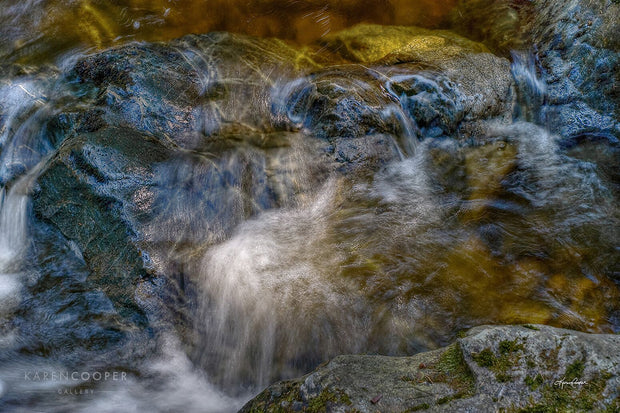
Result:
[
  {"x": 529, "y": 368},
  {"x": 579, "y": 56},
  {"x": 573, "y": 62},
  {"x": 459, "y": 67}
]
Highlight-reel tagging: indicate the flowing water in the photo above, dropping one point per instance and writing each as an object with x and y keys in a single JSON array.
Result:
[
  {"x": 41, "y": 29},
  {"x": 518, "y": 226}
]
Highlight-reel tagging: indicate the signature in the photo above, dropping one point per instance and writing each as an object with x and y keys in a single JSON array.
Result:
[{"x": 572, "y": 383}]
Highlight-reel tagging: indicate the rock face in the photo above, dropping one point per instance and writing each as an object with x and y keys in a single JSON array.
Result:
[
  {"x": 517, "y": 368},
  {"x": 477, "y": 78},
  {"x": 579, "y": 54},
  {"x": 573, "y": 63}
]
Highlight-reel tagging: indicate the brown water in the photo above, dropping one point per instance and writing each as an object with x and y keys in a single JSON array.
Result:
[{"x": 35, "y": 30}]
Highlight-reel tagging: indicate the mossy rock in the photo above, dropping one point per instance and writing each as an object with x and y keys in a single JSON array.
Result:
[
  {"x": 369, "y": 43},
  {"x": 492, "y": 368}
]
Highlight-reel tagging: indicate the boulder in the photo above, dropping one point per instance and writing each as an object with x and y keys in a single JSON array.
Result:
[
  {"x": 579, "y": 56},
  {"x": 471, "y": 83},
  {"x": 516, "y": 368}
]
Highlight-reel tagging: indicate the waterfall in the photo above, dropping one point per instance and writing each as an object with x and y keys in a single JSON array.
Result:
[
  {"x": 14, "y": 209},
  {"x": 531, "y": 88}
]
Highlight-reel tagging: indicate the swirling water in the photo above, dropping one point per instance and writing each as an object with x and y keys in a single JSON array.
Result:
[{"x": 515, "y": 227}]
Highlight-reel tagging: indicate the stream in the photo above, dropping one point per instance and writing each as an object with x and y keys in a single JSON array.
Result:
[{"x": 186, "y": 220}]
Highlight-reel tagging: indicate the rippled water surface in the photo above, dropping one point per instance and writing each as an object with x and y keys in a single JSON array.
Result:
[
  {"x": 34, "y": 30},
  {"x": 266, "y": 263}
]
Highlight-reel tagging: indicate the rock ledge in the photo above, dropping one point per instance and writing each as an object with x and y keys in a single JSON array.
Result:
[{"x": 529, "y": 368}]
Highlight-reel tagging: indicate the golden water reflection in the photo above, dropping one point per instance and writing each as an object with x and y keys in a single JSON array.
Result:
[{"x": 40, "y": 29}]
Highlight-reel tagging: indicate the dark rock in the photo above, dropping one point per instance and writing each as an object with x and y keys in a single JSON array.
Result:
[
  {"x": 208, "y": 84},
  {"x": 579, "y": 56},
  {"x": 576, "y": 50},
  {"x": 80, "y": 193},
  {"x": 450, "y": 69}
]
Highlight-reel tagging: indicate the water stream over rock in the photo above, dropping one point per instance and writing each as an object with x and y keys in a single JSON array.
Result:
[{"x": 187, "y": 220}]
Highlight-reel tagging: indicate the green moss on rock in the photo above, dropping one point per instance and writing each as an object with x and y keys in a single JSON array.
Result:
[
  {"x": 417, "y": 408},
  {"x": 485, "y": 358},
  {"x": 534, "y": 382},
  {"x": 506, "y": 347},
  {"x": 457, "y": 372},
  {"x": 509, "y": 357},
  {"x": 574, "y": 370},
  {"x": 326, "y": 399},
  {"x": 571, "y": 397}
]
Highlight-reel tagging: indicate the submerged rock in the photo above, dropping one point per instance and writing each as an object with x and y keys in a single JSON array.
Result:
[
  {"x": 490, "y": 368},
  {"x": 366, "y": 43},
  {"x": 44, "y": 29}
]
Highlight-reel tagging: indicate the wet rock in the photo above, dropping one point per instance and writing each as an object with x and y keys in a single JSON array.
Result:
[
  {"x": 122, "y": 138},
  {"x": 579, "y": 57},
  {"x": 491, "y": 368},
  {"x": 223, "y": 85},
  {"x": 412, "y": 84},
  {"x": 359, "y": 126},
  {"x": 480, "y": 80},
  {"x": 576, "y": 57},
  {"x": 88, "y": 328},
  {"x": 209, "y": 84},
  {"x": 80, "y": 193},
  {"x": 137, "y": 209}
]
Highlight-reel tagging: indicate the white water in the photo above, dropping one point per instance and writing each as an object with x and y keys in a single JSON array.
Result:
[
  {"x": 13, "y": 241},
  {"x": 531, "y": 89},
  {"x": 273, "y": 297},
  {"x": 22, "y": 104},
  {"x": 266, "y": 290},
  {"x": 171, "y": 383}
]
